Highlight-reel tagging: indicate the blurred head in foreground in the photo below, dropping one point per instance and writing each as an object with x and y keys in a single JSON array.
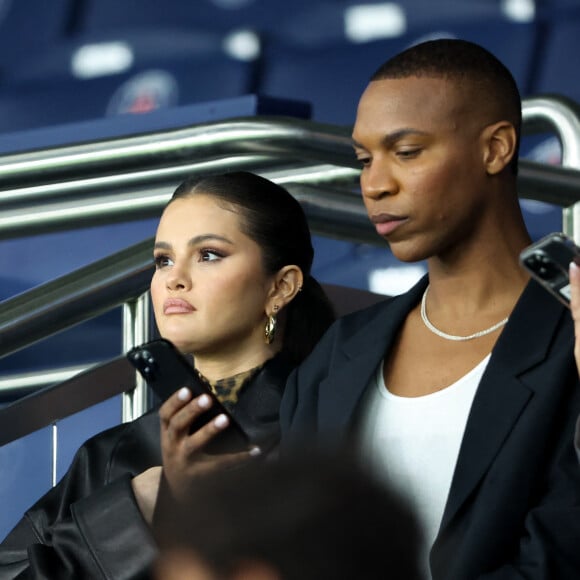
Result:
[{"x": 297, "y": 518}]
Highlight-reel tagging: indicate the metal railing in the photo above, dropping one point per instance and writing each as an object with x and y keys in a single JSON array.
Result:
[{"x": 132, "y": 178}]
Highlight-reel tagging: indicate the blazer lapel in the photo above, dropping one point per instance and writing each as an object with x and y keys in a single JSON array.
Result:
[
  {"x": 343, "y": 388},
  {"x": 519, "y": 347}
]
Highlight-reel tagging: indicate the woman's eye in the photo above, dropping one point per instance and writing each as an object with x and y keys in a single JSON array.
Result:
[
  {"x": 162, "y": 261},
  {"x": 207, "y": 255},
  {"x": 364, "y": 161}
]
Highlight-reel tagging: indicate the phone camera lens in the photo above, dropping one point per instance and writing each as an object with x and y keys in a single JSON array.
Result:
[
  {"x": 145, "y": 362},
  {"x": 543, "y": 266}
]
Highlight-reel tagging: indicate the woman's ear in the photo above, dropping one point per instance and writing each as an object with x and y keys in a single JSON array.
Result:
[
  {"x": 287, "y": 283},
  {"x": 500, "y": 140}
]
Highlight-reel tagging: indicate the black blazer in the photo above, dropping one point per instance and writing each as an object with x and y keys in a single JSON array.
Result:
[
  {"x": 513, "y": 510},
  {"x": 89, "y": 525}
]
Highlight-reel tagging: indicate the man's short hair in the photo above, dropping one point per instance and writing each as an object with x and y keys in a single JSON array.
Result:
[{"x": 466, "y": 63}]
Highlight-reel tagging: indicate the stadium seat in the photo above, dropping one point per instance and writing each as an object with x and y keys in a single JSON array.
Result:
[
  {"x": 105, "y": 16},
  {"x": 555, "y": 71},
  {"x": 105, "y": 76},
  {"x": 303, "y": 21},
  {"x": 333, "y": 77},
  {"x": 32, "y": 26},
  {"x": 554, "y": 9}
]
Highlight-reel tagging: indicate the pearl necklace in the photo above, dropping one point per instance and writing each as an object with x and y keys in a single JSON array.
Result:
[{"x": 442, "y": 334}]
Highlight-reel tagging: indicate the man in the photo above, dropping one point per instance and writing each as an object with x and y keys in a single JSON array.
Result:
[
  {"x": 310, "y": 516},
  {"x": 462, "y": 392}
]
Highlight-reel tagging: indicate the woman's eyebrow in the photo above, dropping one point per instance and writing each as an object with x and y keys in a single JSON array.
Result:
[{"x": 196, "y": 240}]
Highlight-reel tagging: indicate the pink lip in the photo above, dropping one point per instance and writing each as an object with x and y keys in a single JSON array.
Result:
[
  {"x": 177, "y": 306},
  {"x": 386, "y": 224}
]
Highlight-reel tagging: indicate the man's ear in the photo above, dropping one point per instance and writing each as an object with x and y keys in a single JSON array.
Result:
[
  {"x": 500, "y": 146},
  {"x": 287, "y": 283}
]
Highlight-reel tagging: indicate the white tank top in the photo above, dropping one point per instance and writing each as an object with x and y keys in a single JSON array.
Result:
[{"x": 413, "y": 443}]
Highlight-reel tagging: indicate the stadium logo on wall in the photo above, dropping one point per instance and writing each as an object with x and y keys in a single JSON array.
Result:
[{"x": 143, "y": 93}]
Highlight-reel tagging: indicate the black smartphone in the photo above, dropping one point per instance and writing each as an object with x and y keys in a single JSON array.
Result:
[
  {"x": 548, "y": 260},
  {"x": 166, "y": 370}
]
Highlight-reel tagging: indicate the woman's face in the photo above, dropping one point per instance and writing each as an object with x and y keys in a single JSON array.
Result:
[{"x": 209, "y": 290}]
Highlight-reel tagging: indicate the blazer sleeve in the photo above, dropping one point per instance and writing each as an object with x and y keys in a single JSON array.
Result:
[
  {"x": 89, "y": 525},
  {"x": 549, "y": 545}
]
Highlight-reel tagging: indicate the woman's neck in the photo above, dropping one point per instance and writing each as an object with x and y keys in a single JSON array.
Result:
[{"x": 215, "y": 367}]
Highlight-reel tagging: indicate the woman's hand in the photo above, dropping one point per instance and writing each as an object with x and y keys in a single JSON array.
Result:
[
  {"x": 575, "y": 308},
  {"x": 183, "y": 457}
]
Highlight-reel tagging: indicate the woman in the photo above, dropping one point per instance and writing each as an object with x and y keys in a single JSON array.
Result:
[{"x": 232, "y": 286}]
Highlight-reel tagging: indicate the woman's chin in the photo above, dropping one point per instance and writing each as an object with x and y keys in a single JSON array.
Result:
[{"x": 181, "y": 343}]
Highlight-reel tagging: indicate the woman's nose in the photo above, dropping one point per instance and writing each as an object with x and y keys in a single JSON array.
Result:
[{"x": 178, "y": 278}]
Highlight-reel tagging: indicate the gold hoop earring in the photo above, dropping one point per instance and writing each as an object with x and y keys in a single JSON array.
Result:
[{"x": 270, "y": 328}]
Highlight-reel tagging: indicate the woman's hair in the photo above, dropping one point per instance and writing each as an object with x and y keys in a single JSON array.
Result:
[{"x": 277, "y": 223}]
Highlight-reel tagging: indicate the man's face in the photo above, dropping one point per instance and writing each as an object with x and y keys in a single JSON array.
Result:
[
  {"x": 420, "y": 144},
  {"x": 183, "y": 564}
]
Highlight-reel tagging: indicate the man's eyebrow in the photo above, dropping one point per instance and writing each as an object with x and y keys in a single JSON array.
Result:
[
  {"x": 391, "y": 138},
  {"x": 196, "y": 240}
]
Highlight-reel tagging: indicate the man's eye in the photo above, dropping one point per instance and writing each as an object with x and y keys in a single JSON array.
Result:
[
  {"x": 408, "y": 153},
  {"x": 162, "y": 261}
]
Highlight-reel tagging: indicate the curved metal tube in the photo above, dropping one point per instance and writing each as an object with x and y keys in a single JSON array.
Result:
[
  {"x": 560, "y": 115},
  {"x": 553, "y": 184},
  {"x": 134, "y": 180},
  {"x": 75, "y": 297},
  {"x": 244, "y": 136},
  {"x": 72, "y": 189},
  {"x": 96, "y": 208}
]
